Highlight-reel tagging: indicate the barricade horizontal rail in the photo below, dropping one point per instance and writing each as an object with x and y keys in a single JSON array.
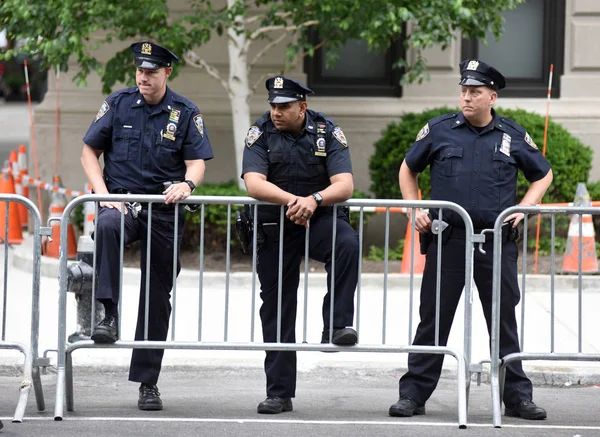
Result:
[
  {"x": 498, "y": 363},
  {"x": 230, "y": 340},
  {"x": 27, "y": 346}
]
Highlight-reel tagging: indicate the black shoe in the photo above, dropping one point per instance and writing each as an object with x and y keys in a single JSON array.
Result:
[
  {"x": 149, "y": 398},
  {"x": 526, "y": 410},
  {"x": 1, "y": 426},
  {"x": 406, "y": 407},
  {"x": 274, "y": 405},
  {"x": 341, "y": 337},
  {"x": 107, "y": 330}
]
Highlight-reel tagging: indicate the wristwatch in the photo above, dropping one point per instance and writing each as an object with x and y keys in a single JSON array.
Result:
[
  {"x": 318, "y": 198},
  {"x": 191, "y": 185}
]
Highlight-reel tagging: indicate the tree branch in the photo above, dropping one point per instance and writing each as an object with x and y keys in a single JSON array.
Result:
[
  {"x": 256, "y": 18},
  {"x": 260, "y": 31},
  {"x": 265, "y": 49},
  {"x": 192, "y": 59}
]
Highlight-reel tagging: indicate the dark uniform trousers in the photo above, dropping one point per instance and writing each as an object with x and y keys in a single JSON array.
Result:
[
  {"x": 280, "y": 367},
  {"x": 145, "y": 363},
  {"x": 424, "y": 369}
]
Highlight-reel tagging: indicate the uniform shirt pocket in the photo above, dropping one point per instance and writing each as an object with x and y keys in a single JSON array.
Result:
[
  {"x": 125, "y": 144},
  {"x": 449, "y": 161},
  {"x": 169, "y": 151},
  {"x": 505, "y": 167},
  {"x": 317, "y": 166}
]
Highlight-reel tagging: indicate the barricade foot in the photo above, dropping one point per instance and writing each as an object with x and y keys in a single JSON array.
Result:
[
  {"x": 23, "y": 396},
  {"x": 69, "y": 381}
]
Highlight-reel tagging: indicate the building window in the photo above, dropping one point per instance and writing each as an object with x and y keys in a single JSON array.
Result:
[
  {"x": 358, "y": 71},
  {"x": 533, "y": 38}
]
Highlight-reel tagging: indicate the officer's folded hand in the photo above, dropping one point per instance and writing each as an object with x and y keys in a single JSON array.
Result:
[
  {"x": 422, "y": 221},
  {"x": 176, "y": 192},
  {"x": 300, "y": 210}
]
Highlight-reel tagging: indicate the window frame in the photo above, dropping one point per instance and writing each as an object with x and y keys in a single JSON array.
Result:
[
  {"x": 334, "y": 86},
  {"x": 553, "y": 51}
]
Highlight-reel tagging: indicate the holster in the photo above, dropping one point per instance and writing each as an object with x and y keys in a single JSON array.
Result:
[
  {"x": 508, "y": 232},
  {"x": 243, "y": 226}
]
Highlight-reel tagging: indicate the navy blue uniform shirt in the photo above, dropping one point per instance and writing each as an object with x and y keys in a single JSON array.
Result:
[
  {"x": 299, "y": 165},
  {"x": 476, "y": 170},
  {"x": 145, "y": 145}
]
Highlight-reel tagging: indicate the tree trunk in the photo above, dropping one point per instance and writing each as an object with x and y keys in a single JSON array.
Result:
[{"x": 239, "y": 92}]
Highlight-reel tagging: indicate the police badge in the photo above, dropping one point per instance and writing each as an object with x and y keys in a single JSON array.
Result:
[
  {"x": 530, "y": 141},
  {"x": 321, "y": 147},
  {"x": 423, "y": 132},
  {"x": 253, "y": 134},
  {"x": 339, "y": 135},
  {"x": 146, "y": 48},
  {"x": 278, "y": 83},
  {"x": 199, "y": 122},
  {"x": 103, "y": 110},
  {"x": 171, "y": 129}
]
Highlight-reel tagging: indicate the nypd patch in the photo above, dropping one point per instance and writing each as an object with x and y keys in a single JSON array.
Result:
[
  {"x": 339, "y": 135},
  {"x": 103, "y": 110},
  {"x": 253, "y": 134},
  {"x": 423, "y": 132},
  {"x": 199, "y": 122},
  {"x": 530, "y": 141}
]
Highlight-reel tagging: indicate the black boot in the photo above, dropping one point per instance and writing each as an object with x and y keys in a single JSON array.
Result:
[
  {"x": 526, "y": 410},
  {"x": 274, "y": 405},
  {"x": 149, "y": 398},
  {"x": 107, "y": 330},
  {"x": 406, "y": 407}
]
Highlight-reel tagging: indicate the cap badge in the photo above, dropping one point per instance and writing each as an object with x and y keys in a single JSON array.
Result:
[
  {"x": 146, "y": 49},
  {"x": 278, "y": 84},
  {"x": 473, "y": 65}
]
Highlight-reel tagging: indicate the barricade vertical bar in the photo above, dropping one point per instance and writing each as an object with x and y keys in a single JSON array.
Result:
[
  {"x": 465, "y": 383},
  {"x": 332, "y": 294},
  {"x": 305, "y": 309},
  {"x": 386, "y": 254},
  {"x": 148, "y": 263},
  {"x": 360, "y": 249},
  {"x": 201, "y": 269},
  {"x": 94, "y": 261},
  {"x": 121, "y": 254},
  {"x": 175, "y": 250},
  {"x": 552, "y": 272},
  {"x": 254, "y": 254},
  {"x": 227, "y": 273},
  {"x": 579, "y": 287},
  {"x": 495, "y": 334},
  {"x": 411, "y": 285},
  {"x": 5, "y": 294},
  {"x": 523, "y": 280},
  {"x": 438, "y": 281},
  {"x": 280, "y": 274}
]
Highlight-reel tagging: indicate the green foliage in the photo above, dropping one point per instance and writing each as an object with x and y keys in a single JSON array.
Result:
[
  {"x": 571, "y": 160},
  {"x": 215, "y": 219},
  {"x": 394, "y": 253},
  {"x": 355, "y": 216},
  {"x": 63, "y": 30}
]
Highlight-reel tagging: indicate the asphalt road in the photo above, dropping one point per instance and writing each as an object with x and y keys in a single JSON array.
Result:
[{"x": 221, "y": 401}]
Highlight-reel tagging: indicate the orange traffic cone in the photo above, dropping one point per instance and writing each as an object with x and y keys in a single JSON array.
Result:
[
  {"x": 589, "y": 259},
  {"x": 18, "y": 177},
  {"x": 419, "y": 262},
  {"x": 7, "y": 186},
  {"x": 57, "y": 207}
]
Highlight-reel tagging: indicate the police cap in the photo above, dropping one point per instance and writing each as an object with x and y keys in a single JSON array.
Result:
[
  {"x": 284, "y": 90},
  {"x": 477, "y": 73},
  {"x": 151, "y": 56}
]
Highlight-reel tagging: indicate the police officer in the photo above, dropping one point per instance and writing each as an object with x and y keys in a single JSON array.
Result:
[
  {"x": 151, "y": 138},
  {"x": 299, "y": 158},
  {"x": 474, "y": 156}
]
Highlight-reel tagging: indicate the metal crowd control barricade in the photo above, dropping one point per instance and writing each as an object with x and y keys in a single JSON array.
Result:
[
  {"x": 32, "y": 364},
  {"x": 498, "y": 364},
  {"x": 64, "y": 385}
]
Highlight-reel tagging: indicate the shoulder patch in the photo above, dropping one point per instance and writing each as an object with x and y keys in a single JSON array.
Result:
[
  {"x": 199, "y": 122},
  {"x": 104, "y": 108},
  {"x": 253, "y": 134},
  {"x": 339, "y": 135},
  {"x": 423, "y": 132},
  {"x": 530, "y": 141}
]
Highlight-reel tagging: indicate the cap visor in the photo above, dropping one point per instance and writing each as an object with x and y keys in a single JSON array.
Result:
[
  {"x": 469, "y": 81},
  {"x": 147, "y": 65},
  {"x": 281, "y": 99}
]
